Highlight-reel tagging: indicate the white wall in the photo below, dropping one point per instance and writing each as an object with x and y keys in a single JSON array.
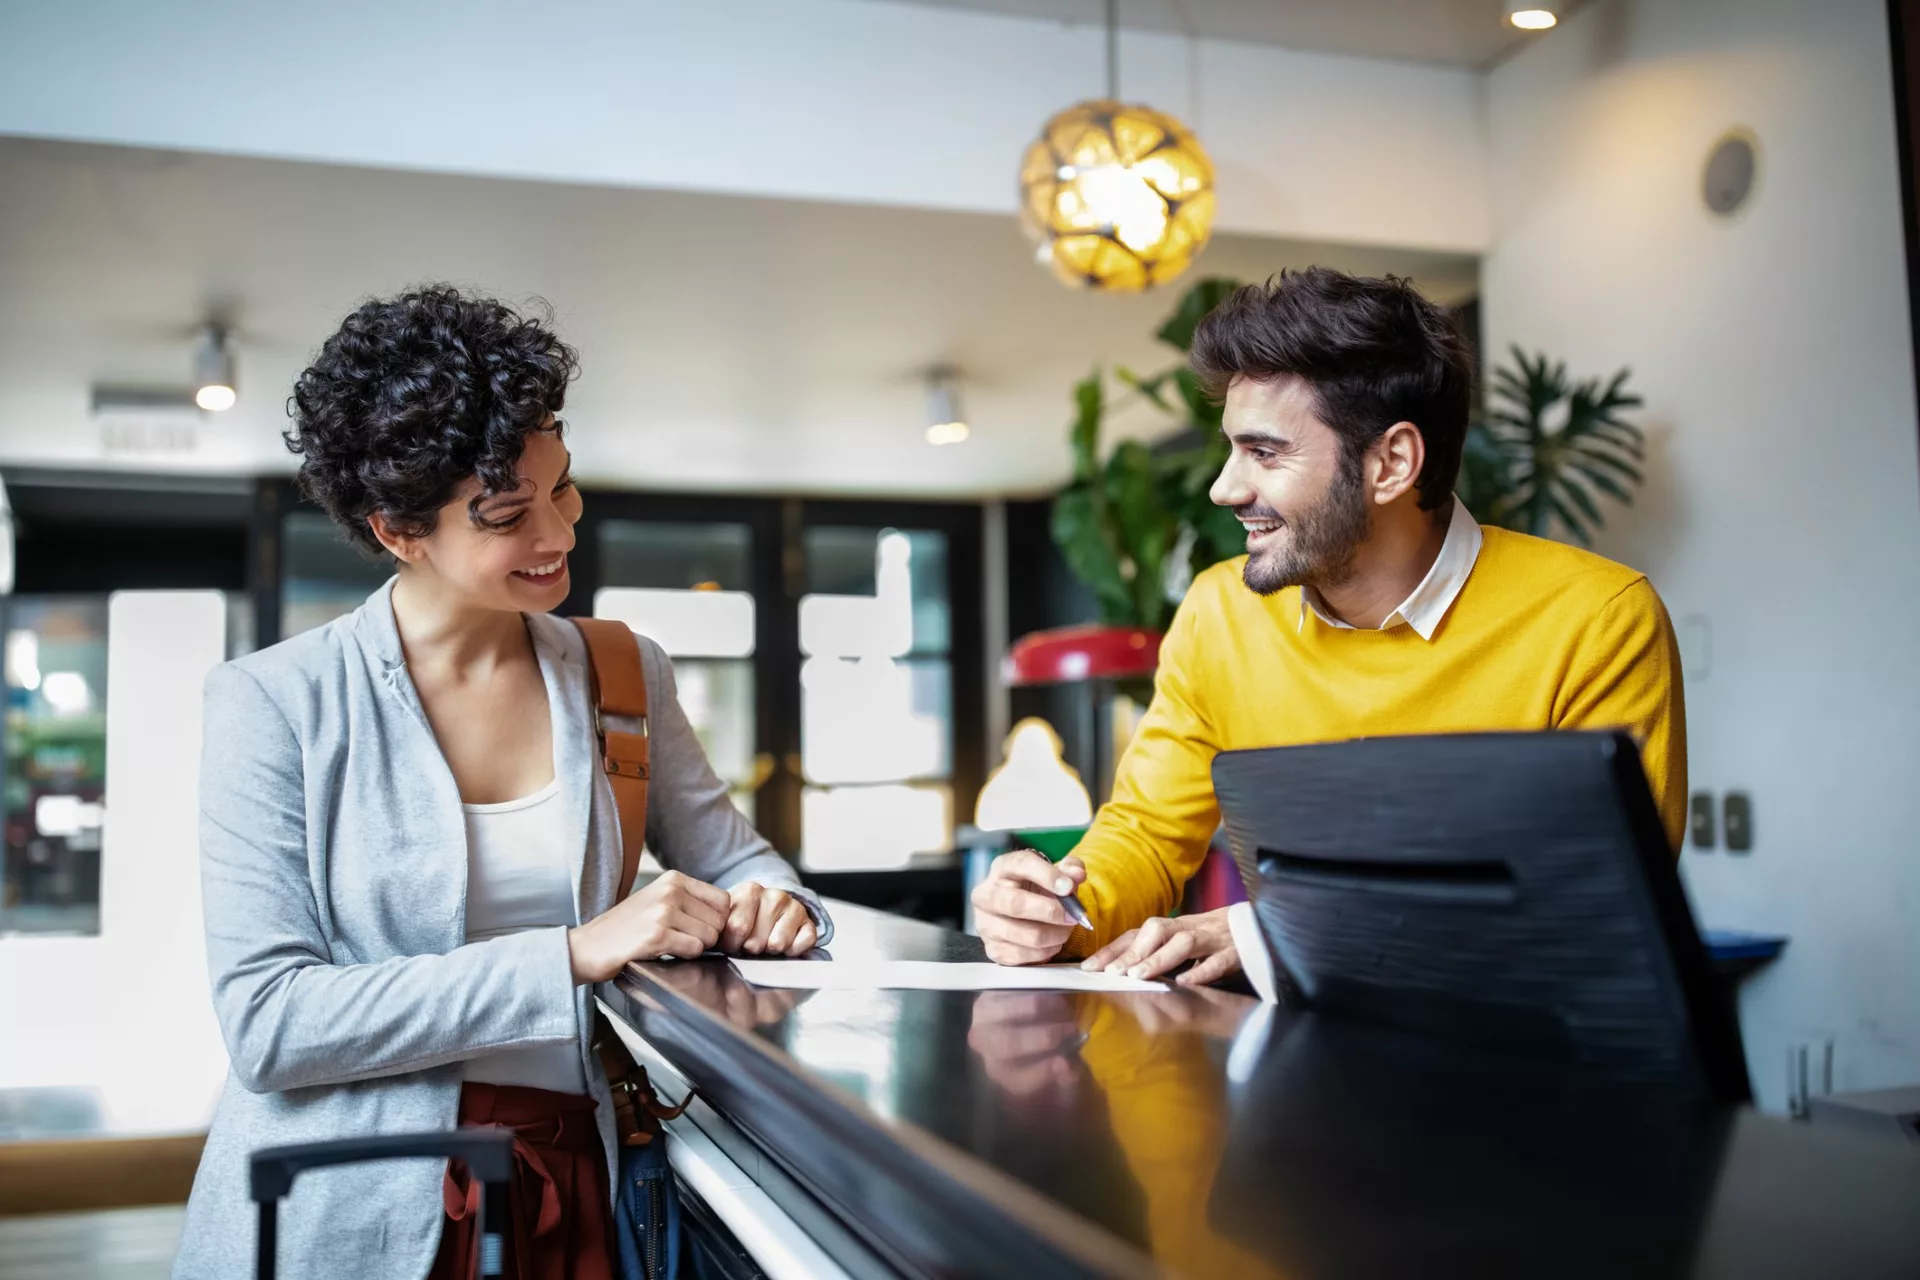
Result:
[
  {"x": 844, "y": 100},
  {"x": 1784, "y": 504}
]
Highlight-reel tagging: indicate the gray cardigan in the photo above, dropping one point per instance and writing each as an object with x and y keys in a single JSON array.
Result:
[{"x": 333, "y": 868}]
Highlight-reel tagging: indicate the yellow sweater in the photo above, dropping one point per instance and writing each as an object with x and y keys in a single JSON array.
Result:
[{"x": 1542, "y": 636}]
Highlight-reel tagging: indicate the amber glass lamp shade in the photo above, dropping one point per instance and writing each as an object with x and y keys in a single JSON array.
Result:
[{"x": 1117, "y": 197}]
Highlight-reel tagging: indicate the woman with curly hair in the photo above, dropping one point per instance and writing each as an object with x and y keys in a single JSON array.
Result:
[{"x": 410, "y": 855}]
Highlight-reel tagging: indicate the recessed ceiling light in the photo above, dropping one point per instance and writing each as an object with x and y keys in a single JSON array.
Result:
[
  {"x": 945, "y": 423},
  {"x": 1529, "y": 15},
  {"x": 213, "y": 372}
]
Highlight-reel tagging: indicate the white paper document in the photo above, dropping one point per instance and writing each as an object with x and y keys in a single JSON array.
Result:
[{"x": 931, "y": 975}]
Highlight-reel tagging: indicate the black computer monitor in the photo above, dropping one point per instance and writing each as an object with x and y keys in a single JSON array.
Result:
[{"x": 1510, "y": 891}]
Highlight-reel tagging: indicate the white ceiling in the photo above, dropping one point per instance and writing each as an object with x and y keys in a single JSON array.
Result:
[
  {"x": 1468, "y": 33},
  {"x": 728, "y": 343}
]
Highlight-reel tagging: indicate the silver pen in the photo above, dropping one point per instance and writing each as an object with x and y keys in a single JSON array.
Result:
[{"x": 1070, "y": 902}]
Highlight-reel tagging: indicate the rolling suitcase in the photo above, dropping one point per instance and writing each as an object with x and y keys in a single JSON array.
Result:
[{"x": 487, "y": 1151}]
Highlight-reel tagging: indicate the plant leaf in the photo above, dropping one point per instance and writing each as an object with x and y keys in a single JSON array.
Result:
[
  {"x": 1193, "y": 307},
  {"x": 1146, "y": 525},
  {"x": 1607, "y": 485},
  {"x": 1087, "y": 406},
  {"x": 1148, "y": 387},
  {"x": 1089, "y": 551},
  {"x": 1567, "y": 518},
  {"x": 1572, "y": 490},
  {"x": 1589, "y": 457},
  {"x": 1204, "y": 412}
]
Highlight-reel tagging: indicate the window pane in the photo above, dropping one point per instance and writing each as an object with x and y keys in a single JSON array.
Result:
[
  {"x": 891, "y": 581},
  {"x": 687, "y": 587},
  {"x": 56, "y": 762},
  {"x": 718, "y": 699},
  {"x": 241, "y": 631},
  {"x": 658, "y": 553},
  {"x": 324, "y": 576}
]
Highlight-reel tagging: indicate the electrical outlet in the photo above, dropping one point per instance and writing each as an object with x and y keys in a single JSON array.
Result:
[
  {"x": 1700, "y": 823},
  {"x": 1739, "y": 821},
  {"x": 1800, "y": 1087}
]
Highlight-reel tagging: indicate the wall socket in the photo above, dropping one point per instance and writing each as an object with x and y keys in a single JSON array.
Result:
[
  {"x": 1800, "y": 1087},
  {"x": 1700, "y": 826},
  {"x": 1737, "y": 815}
]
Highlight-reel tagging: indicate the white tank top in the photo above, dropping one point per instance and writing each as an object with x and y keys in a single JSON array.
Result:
[{"x": 519, "y": 877}]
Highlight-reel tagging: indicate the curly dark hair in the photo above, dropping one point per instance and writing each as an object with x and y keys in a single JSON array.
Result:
[
  {"x": 416, "y": 393},
  {"x": 1374, "y": 351}
]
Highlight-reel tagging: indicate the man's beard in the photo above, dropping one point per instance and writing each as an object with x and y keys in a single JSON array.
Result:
[{"x": 1322, "y": 543}]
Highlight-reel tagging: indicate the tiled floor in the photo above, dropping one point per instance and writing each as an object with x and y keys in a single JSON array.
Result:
[{"x": 120, "y": 1244}]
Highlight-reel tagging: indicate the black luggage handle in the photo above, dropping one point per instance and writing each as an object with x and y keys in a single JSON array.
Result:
[{"x": 487, "y": 1150}]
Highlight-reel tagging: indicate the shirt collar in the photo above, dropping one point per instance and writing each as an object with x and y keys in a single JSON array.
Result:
[{"x": 1428, "y": 603}]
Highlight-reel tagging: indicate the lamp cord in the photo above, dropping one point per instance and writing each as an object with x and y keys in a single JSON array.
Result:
[{"x": 1113, "y": 50}]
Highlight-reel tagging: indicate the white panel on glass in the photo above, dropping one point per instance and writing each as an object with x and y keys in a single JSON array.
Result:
[
  {"x": 873, "y": 827},
  {"x": 859, "y": 723},
  {"x": 855, "y": 627},
  {"x": 875, "y": 626},
  {"x": 160, "y": 646},
  {"x": 687, "y": 624}
]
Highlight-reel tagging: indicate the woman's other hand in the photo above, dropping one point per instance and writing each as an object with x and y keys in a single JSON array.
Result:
[
  {"x": 676, "y": 915},
  {"x": 763, "y": 921}
]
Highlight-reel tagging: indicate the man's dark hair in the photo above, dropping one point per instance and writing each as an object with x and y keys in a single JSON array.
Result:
[
  {"x": 1374, "y": 351},
  {"x": 413, "y": 395}
]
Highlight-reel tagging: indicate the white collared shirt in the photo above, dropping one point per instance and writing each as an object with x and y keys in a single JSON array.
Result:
[{"x": 1428, "y": 603}]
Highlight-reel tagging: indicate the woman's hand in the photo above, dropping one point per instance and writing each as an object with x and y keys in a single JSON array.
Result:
[
  {"x": 718, "y": 988},
  {"x": 766, "y": 921},
  {"x": 1162, "y": 944},
  {"x": 676, "y": 915}
]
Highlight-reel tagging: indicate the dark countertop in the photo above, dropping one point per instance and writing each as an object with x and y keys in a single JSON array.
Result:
[{"x": 1193, "y": 1134}]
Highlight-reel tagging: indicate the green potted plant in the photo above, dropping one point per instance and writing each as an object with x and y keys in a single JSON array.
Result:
[
  {"x": 1136, "y": 524},
  {"x": 1524, "y": 469}
]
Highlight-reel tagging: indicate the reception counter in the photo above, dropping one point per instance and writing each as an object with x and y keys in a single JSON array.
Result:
[{"x": 1200, "y": 1134}]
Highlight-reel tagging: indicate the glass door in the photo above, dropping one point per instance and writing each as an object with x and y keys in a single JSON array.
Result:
[{"x": 890, "y": 688}]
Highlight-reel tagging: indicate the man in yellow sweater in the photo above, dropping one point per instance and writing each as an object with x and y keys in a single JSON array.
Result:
[{"x": 1369, "y": 603}]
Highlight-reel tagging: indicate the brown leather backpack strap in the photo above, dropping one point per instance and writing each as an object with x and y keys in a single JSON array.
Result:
[{"x": 620, "y": 689}]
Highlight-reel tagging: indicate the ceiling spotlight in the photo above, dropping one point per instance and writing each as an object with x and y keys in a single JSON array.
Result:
[
  {"x": 948, "y": 433},
  {"x": 1530, "y": 15},
  {"x": 213, "y": 372},
  {"x": 945, "y": 423}
]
